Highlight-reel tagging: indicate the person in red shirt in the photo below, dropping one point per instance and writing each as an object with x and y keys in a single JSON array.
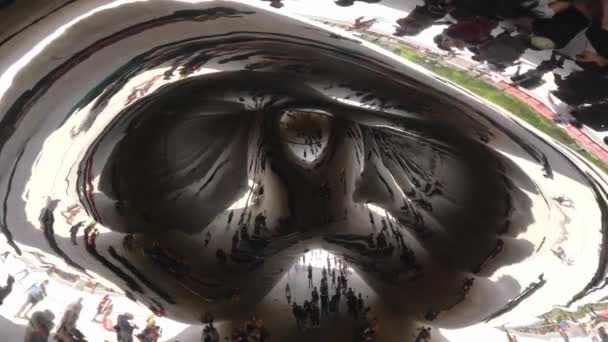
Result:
[
  {"x": 105, "y": 301},
  {"x": 471, "y": 31}
]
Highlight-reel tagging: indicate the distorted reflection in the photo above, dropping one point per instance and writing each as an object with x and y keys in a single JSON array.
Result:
[
  {"x": 233, "y": 171},
  {"x": 305, "y": 133}
]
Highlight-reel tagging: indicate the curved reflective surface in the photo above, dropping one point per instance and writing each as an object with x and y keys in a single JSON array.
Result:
[{"x": 235, "y": 170}]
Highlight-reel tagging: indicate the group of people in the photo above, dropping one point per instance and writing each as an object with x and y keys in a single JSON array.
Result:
[
  {"x": 528, "y": 25},
  {"x": 168, "y": 260},
  {"x": 253, "y": 330},
  {"x": 307, "y": 129},
  {"x": 424, "y": 335},
  {"x": 41, "y": 323},
  {"x": 321, "y": 304}
]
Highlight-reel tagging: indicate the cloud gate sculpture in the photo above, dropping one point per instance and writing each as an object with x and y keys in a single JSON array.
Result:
[{"x": 215, "y": 161}]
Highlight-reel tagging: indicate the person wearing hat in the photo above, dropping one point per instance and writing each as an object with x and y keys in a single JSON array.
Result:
[{"x": 39, "y": 326}]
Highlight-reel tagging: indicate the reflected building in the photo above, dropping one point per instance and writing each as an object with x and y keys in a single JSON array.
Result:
[{"x": 235, "y": 170}]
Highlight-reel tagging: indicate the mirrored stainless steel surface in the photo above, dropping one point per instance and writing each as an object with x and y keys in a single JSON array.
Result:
[{"x": 235, "y": 167}]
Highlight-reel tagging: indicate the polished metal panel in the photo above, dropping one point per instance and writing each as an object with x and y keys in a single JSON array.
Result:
[{"x": 197, "y": 157}]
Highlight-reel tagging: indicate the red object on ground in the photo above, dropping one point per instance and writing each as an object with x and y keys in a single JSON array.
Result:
[
  {"x": 473, "y": 31},
  {"x": 108, "y": 325}
]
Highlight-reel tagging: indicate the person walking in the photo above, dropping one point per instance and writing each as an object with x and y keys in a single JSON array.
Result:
[
  {"x": 107, "y": 311},
  {"x": 67, "y": 330},
  {"x": 124, "y": 328},
  {"x": 105, "y": 301},
  {"x": 127, "y": 242},
  {"x": 309, "y": 275},
  {"x": 288, "y": 293},
  {"x": 351, "y": 302},
  {"x": 334, "y": 303},
  {"x": 315, "y": 296},
  {"x": 35, "y": 294},
  {"x": 339, "y": 283},
  {"x": 324, "y": 304},
  {"x": 210, "y": 333},
  {"x": 360, "y": 303},
  {"x": 230, "y": 215},
  {"x": 316, "y": 316},
  {"x": 296, "y": 311},
  {"x": 74, "y": 231},
  {"x": 6, "y": 290}
]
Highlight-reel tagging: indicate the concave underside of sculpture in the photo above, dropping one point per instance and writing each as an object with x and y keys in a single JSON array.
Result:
[{"x": 221, "y": 160}]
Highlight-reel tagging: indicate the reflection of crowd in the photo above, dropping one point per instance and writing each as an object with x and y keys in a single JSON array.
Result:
[
  {"x": 41, "y": 323},
  {"x": 381, "y": 244},
  {"x": 424, "y": 335},
  {"x": 321, "y": 304},
  {"x": 301, "y": 125},
  {"x": 168, "y": 260},
  {"x": 253, "y": 330},
  {"x": 246, "y": 242},
  {"x": 499, "y": 32}
]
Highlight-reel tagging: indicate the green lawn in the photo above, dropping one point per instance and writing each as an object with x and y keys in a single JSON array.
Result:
[{"x": 478, "y": 86}]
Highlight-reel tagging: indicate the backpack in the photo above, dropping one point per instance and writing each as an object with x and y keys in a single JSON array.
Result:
[{"x": 36, "y": 292}]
